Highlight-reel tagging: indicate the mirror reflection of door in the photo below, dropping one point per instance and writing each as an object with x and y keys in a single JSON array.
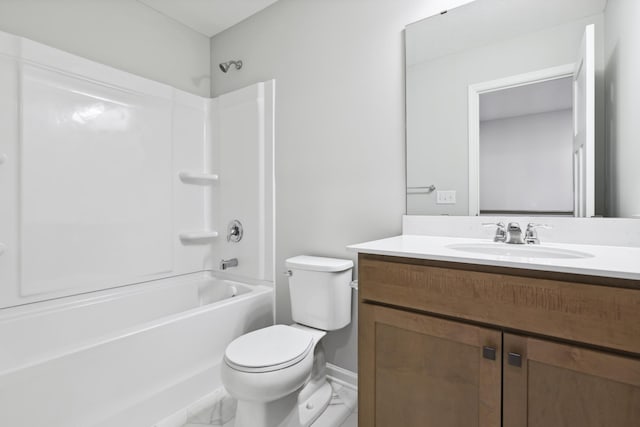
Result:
[
  {"x": 584, "y": 126},
  {"x": 532, "y": 140},
  {"x": 526, "y": 149}
]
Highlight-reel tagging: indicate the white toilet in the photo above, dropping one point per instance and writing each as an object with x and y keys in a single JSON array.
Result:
[{"x": 277, "y": 373}]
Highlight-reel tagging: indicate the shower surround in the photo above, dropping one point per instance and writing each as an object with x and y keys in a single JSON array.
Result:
[{"x": 116, "y": 194}]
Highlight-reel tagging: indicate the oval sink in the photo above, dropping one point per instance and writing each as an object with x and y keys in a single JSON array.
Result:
[{"x": 522, "y": 251}]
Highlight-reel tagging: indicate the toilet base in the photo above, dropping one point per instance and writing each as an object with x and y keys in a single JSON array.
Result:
[
  {"x": 288, "y": 411},
  {"x": 279, "y": 413},
  {"x": 314, "y": 406}
]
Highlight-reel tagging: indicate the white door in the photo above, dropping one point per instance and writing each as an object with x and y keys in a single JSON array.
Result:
[{"x": 584, "y": 127}]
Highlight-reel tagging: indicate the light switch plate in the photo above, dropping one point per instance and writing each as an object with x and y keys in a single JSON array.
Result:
[{"x": 446, "y": 197}]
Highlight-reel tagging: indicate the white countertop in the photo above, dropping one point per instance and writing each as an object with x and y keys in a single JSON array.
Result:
[{"x": 607, "y": 261}]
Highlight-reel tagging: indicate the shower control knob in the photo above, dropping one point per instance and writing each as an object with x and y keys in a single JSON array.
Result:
[{"x": 234, "y": 231}]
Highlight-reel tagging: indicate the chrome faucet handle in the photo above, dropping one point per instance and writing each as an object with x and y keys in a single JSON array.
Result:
[
  {"x": 532, "y": 226},
  {"x": 234, "y": 231},
  {"x": 501, "y": 231},
  {"x": 531, "y": 235}
]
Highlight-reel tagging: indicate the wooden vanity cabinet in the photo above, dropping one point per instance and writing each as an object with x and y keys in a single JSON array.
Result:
[
  {"x": 418, "y": 370},
  {"x": 548, "y": 384},
  {"x": 430, "y": 357}
]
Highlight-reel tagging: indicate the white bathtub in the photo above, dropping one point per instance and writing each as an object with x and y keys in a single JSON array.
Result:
[{"x": 124, "y": 357}]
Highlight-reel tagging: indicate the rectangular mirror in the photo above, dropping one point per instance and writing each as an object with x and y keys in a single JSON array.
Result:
[{"x": 506, "y": 110}]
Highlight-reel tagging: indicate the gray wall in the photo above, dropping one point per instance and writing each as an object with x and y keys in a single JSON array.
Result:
[
  {"x": 124, "y": 34},
  {"x": 339, "y": 76},
  {"x": 526, "y": 163},
  {"x": 623, "y": 104}
]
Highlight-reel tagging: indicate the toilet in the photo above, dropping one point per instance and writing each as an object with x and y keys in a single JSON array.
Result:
[{"x": 278, "y": 373}]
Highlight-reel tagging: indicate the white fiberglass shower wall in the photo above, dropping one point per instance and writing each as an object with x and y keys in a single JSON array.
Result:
[
  {"x": 108, "y": 179},
  {"x": 108, "y": 183},
  {"x": 89, "y": 185}
]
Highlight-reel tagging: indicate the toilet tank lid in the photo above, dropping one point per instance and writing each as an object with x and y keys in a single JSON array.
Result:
[{"x": 316, "y": 263}]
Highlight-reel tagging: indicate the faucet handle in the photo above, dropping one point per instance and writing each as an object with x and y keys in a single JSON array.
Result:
[
  {"x": 501, "y": 231},
  {"x": 234, "y": 231},
  {"x": 531, "y": 236},
  {"x": 532, "y": 226},
  {"x": 493, "y": 224}
]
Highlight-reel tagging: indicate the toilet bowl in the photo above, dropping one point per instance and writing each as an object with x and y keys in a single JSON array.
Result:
[
  {"x": 265, "y": 368},
  {"x": 278, "y": 373}
]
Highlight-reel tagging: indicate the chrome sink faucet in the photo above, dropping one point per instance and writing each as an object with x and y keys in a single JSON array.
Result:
[
  {"x": 513, "y": 234},
  {"x": 226, "y": 263}
]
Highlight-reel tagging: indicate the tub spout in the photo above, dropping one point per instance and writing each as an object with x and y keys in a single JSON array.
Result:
[{"x": 226, "y": 263}]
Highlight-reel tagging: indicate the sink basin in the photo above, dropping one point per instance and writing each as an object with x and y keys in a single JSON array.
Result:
[{"x": 522, "y": 251}]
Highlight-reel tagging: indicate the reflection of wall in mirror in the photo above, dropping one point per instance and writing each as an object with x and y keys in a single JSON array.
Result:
[
  {"x": 622, "y": 56},
  {"x": 526, "y": 163},
  {"x": 441, "y": 155}
]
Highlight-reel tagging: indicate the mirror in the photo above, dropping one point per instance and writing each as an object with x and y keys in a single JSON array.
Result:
[{"x": 506, "y": 110}]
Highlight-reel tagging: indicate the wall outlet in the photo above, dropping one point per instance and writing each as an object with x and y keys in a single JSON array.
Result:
[{"x": 446, "y": 197}]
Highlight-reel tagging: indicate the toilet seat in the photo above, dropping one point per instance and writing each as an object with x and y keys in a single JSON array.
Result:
[{"x": 269, "y": 349}]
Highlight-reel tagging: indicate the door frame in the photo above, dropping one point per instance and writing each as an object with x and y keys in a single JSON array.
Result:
[{"x": 477, "y": 89}]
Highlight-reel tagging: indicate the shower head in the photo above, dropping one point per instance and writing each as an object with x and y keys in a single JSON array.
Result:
[{"x": 224, "y": 66}]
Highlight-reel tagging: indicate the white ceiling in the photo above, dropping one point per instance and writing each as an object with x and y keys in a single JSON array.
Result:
[
  {"x": 208, "y": 17},
  {"x": 545, "y": 97}
]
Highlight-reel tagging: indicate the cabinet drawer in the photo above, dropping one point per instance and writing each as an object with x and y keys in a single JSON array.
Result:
[{"x": 598, "y": 315}]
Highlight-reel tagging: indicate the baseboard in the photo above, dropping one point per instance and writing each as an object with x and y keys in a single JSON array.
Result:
[{"x": 342, "y": 376}]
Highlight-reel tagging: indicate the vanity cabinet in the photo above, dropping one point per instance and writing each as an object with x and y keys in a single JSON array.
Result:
[
  {"x": 418, "y": 370},
  {"x": 559, "y": 385},
  {"x": 455, "y": 345}
]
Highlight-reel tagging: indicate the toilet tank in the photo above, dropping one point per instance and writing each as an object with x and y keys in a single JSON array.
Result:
[{"x": 320, "y": 291}]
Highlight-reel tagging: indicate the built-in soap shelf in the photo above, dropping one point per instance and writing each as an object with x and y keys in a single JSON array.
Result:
[
  {"x": 199, "y": 178},
  {"x": 201, "y": 237},
  {"x": 198, "y": 237}
]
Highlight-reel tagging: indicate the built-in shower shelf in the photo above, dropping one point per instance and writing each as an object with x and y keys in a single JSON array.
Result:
[
  {"x": 203, "y": 237},
  {"x": 200, "y": 178}
]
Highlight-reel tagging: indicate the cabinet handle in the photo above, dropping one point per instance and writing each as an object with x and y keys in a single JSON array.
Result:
[
  {"x": 514, "y": 359},
  {"x": 489, "y": 353}
]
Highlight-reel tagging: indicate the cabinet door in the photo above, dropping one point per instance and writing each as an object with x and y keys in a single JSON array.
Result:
[
  {"x": 547, "y": 384},
  {"x": 417, "y": 370}
]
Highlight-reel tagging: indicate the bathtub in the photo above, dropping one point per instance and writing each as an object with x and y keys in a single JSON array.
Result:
[{"x": 123, "y": 357}]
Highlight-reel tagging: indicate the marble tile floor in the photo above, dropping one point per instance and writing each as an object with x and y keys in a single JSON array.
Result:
[
  {"x": 341, "y": 412},
  {"x": 351, "y": 421}
]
